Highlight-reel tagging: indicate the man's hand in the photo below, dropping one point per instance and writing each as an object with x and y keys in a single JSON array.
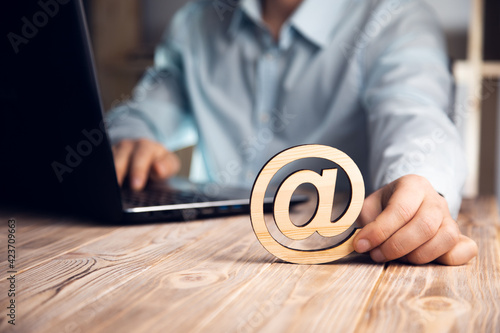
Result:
[
  {"x": 142, "y": 159},
  {"x": 408, "y": 219}
]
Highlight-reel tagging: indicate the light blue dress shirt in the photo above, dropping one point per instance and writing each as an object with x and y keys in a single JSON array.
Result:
[{"x": 368, "y": 77}]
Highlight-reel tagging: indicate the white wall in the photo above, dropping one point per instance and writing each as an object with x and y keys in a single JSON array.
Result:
[{"x": 454, "y": 14}]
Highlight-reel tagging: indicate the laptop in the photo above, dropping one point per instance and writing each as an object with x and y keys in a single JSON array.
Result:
[{"x": 55, "y": 153}]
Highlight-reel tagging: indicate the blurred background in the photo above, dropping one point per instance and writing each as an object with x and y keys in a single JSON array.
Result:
[{"x": 125, "y": 32}]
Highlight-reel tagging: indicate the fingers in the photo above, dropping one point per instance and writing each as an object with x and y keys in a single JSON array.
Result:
[
  {"x": 121, "y": 154},
  {"x": 143, "y": 159},
  {"x": 419, "y": 230},
  {"x": 164, "y": 166},
  {"x": 461, "y": 253},
  {"x": 409, "y": 220},
  {"x": 445, "y": 239},
  {"x": 401, "y": 206}
]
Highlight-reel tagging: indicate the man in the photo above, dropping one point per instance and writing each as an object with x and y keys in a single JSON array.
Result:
[{"x": 247, "y": 80}]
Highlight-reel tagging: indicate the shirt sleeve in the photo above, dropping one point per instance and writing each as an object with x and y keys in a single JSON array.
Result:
[
  {"x": 158, "y": 108},
  {"x": 406, "y": 95}
]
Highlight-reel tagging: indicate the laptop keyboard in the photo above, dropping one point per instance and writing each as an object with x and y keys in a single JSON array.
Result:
[{"x": 158, "y": 198}]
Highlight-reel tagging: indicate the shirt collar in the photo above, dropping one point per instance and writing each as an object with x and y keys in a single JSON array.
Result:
[
  {"x": 314, "y": 19},
  {"x": 250, "y": 8}
]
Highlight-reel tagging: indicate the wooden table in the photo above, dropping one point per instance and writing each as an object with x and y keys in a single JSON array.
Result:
[{"x": 213, "y": 276}]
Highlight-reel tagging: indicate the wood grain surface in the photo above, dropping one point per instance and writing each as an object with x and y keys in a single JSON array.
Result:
[
  {"x": 433, "y": 298},
  {"x": 214, "y": 276}
]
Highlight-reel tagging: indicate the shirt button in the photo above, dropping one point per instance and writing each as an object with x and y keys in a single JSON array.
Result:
[{"x": 264, "y": 118}]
